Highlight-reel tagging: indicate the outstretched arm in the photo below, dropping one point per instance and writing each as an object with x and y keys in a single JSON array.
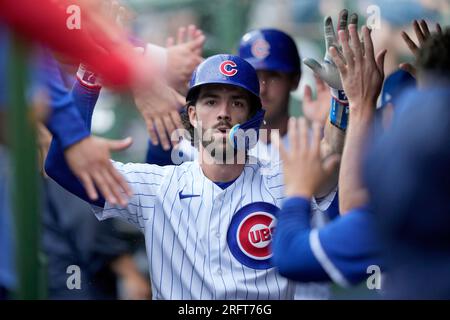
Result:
[
  {"x": 362, "y": 77},
  {"x": 336, "y": 124},
  {"x": 89, "y": 157},
  {"x": 331, "y": 252}
]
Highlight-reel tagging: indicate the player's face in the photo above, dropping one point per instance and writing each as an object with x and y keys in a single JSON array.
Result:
[
  {"x": 275, "y": 88},
  {"x": 218, "y": 109}
]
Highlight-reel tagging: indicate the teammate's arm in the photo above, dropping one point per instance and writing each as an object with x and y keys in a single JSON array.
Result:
[
  {"x": 331, "y": 252},
  {"x": 362, "y": 79},
  {"x": 88, "y": 158},
  {"x": 96, "y": 43},
  {"x": 334, "y": 131}
]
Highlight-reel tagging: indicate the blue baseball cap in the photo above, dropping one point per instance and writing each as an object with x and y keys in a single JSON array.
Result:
[{"x": 270, "y": 49}]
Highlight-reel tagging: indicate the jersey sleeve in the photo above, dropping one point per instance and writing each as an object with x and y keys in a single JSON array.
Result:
[
  {"x": 340, "y": 251},
  {"x": 347, "y": 246},
  {"x": 145, "y": 180}
]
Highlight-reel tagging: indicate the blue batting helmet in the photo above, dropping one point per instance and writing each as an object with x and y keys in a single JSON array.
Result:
[
  {"x": 226, "y": 69},
  {"x": 270, "y": 49}
]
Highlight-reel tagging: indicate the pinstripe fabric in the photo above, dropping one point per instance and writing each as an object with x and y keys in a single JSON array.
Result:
[{"x": 186, "y": 238}]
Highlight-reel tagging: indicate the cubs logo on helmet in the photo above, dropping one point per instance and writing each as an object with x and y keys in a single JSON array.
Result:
[
  {"x": 228, "y": 68},
  {"x": 260, "y": 48},
  {"x": 250, "y": 233},
  {"x": 270, "y": 49}
]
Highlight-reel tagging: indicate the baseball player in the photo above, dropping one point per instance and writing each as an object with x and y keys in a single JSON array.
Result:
[
  {"x": 275, "y": 57},
  {"x": 208, "y": 225}
]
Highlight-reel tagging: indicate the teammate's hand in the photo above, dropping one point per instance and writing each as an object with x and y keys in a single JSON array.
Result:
[
  {"x": 423, "y": 33},
  {"x": 362, "y": 74},
  {"x": 327, "y": 71},
  {"x": 317, "y": 110},
  {"x": 304, "y": 171},
  {"x": 183, "y": 56},
  {"x": 89, "y": 160},
  {"x": 159, "y": 106},
  {"x": 136, "y": 287}
]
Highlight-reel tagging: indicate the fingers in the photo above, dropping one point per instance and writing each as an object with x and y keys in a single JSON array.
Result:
[
  {"x": 408, "y": 68},
  {"x": 160, "y": 129},
  {"x": 342, "y": 21},
  {"x": 356, "y": 44},
  {"x": 368, "y": 44},
  {"x": 113, "y": 187},
  {"x": 191, "y": 31},
  {"x": 181, "y": 35},
  {"x": 346, "y": 50},
  {"x": 338, "y": 60},
  {"x": 170, "y": 42},
  {"x": 196, "y": 44},
  {"x": 152, "y": 132},
  {"x": 411, "y": 45},
  {"x": 354, "y": 19},
  {"x": 118, "y": 145},
  {"x": 438, "y": 28},
  {"x": 120, "y": 181},
  {"x": 293, "y": 135},
  {"x": 316, "y": 139},
  {"x": 303, "y": 134},
  {"x": 88, "y": 185},
  {"x": 169, "y": 126},
  {"x": 330, "y": 35},
  {"x": 380, "y": 61},
  {"x": 307, "y": 94},
  {"x": 424, "y": 27},
  {"x": 176, "y": 119},
  {"x": 313, "y": 65},
  {"x": 418, "y": 32},
  {"x": 102, "y": 185}
]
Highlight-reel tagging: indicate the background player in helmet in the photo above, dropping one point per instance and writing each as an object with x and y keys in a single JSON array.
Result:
[
  {"x": 276, "y": 59},
  {"x": 198, "y": 217}
]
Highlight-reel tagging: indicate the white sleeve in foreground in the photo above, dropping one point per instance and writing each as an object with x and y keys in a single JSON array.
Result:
[{"x": 317, "y": 249}]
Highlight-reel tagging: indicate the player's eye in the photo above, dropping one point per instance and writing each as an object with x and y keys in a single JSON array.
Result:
[
  {"x": 238, "y": 104},
  {"x": 210, "y": 102}
]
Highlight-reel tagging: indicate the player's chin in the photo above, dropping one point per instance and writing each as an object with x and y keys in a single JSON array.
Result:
[{"x": 223, "y": 152}]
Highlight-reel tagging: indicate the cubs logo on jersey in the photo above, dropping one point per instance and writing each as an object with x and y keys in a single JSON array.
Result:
[
  {"x": 250, "y": 233},
  {"x": 228, "y": 68},
  {"x": 260, "y": 49}
]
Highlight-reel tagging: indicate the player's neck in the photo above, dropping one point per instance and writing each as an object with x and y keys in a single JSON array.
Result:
[
  {"x": 223, "y": 171},
  {"x": 280, "y": 124}
]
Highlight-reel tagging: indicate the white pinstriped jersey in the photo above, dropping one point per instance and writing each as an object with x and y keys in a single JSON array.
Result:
[
  {"x": 204, "y": 242},
  {"x": 303, "y": 291}
]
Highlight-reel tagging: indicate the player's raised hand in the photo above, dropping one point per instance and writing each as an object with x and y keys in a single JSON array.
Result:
[
  {"x": 327, "y": 70},
  {"x": 304, "y": 171},
  {"x": 89, "y": 160},
  {"x": 361, "y": 72},
  {"x": 183, "y": 56},
  {"x": 422, "y": 33},
  {"x": 159, "y": 105},
  {"x": 317, "y": 110}
]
